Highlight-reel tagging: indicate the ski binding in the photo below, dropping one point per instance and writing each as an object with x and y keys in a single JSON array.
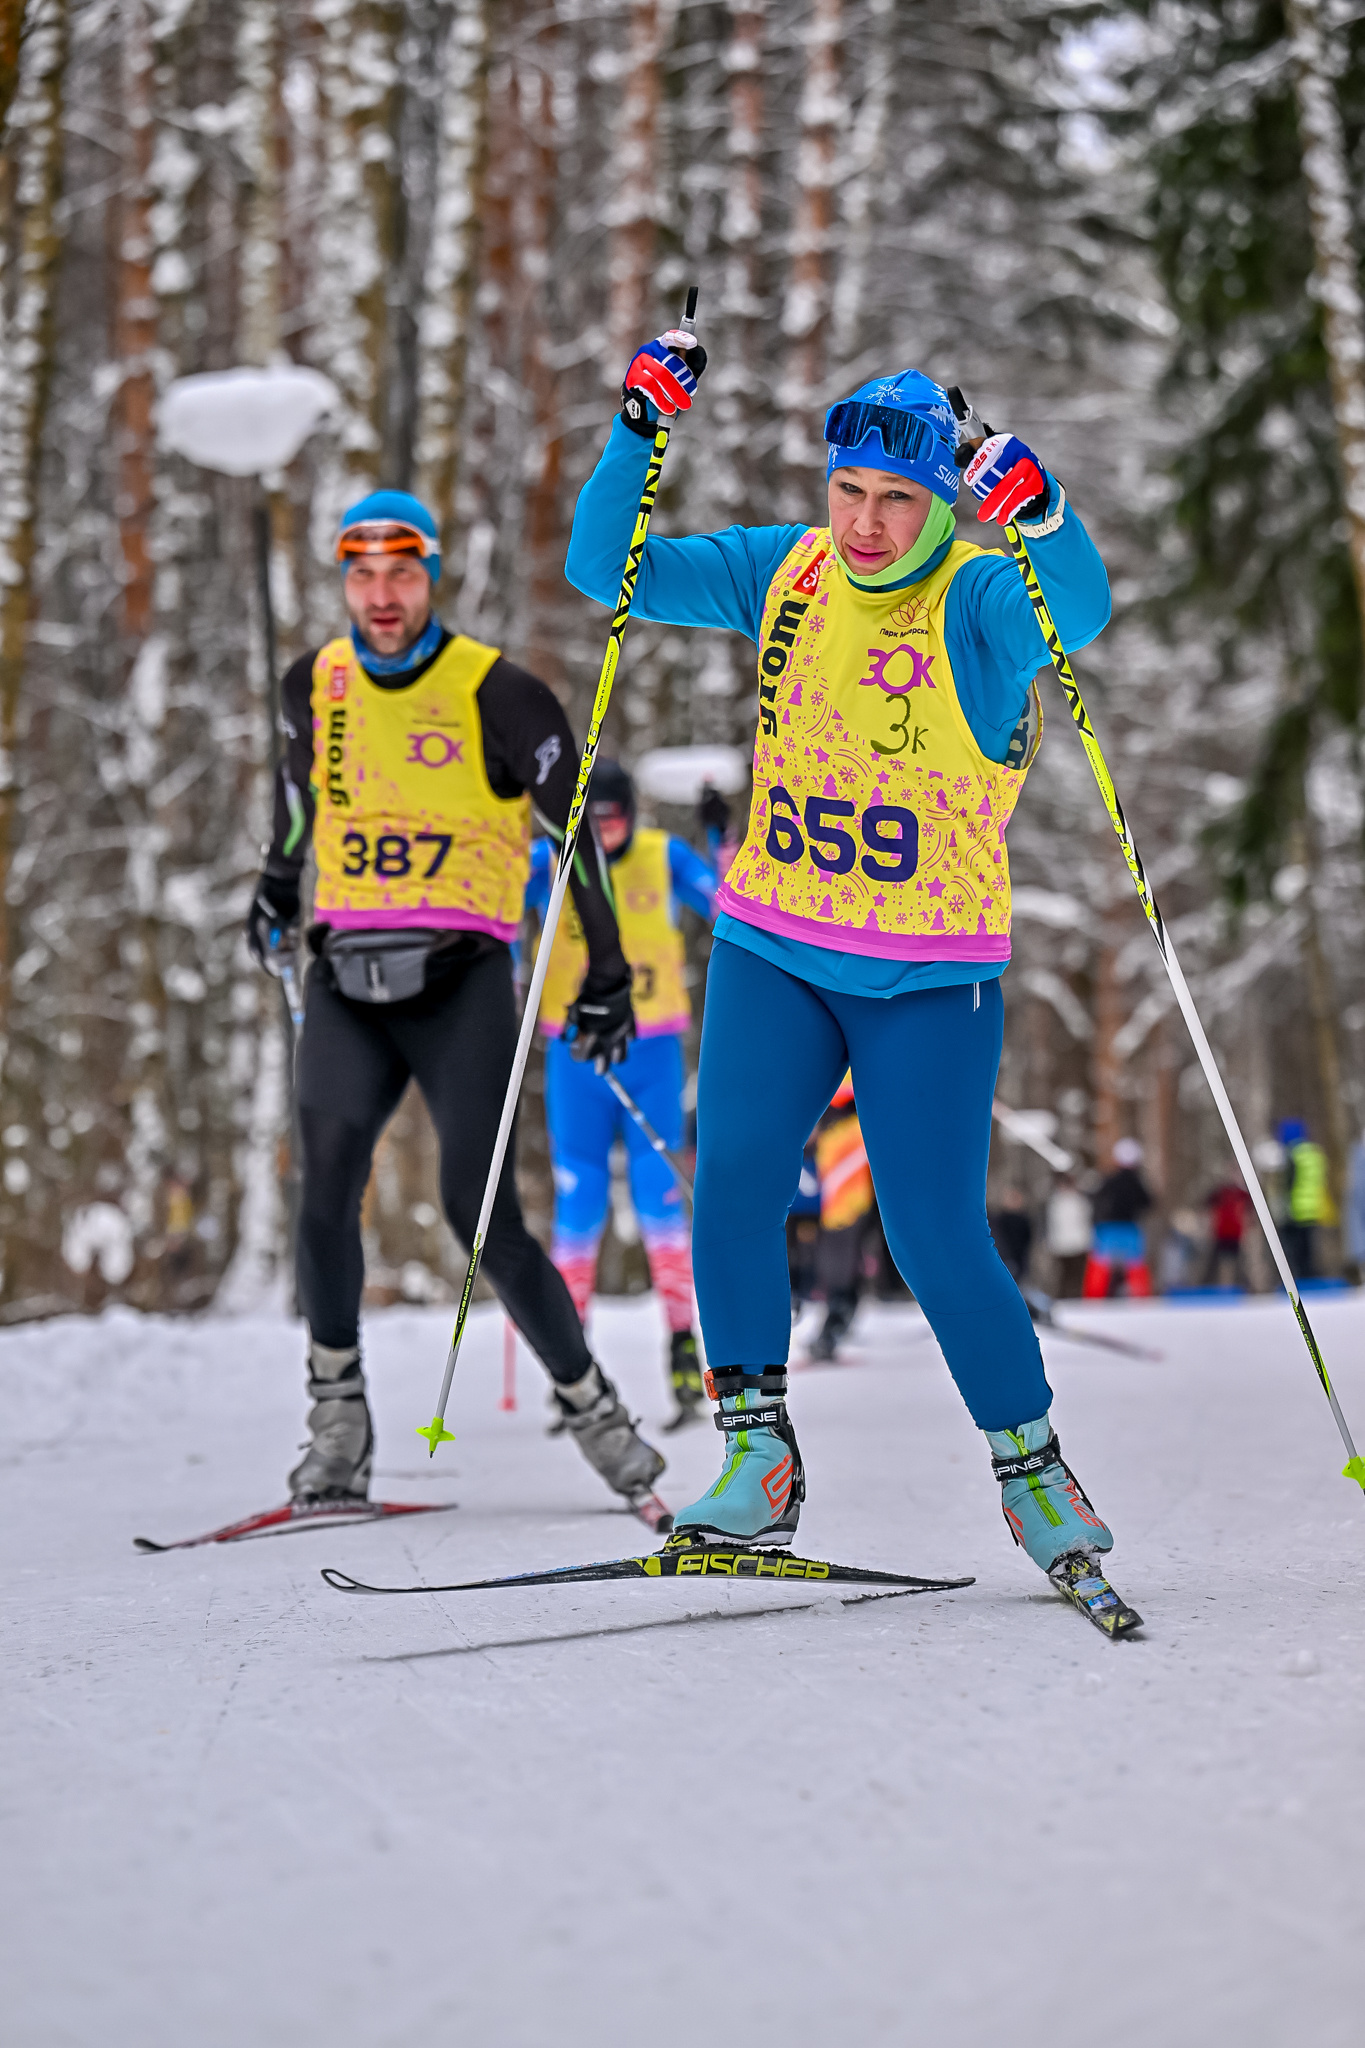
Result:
[{"x": 1080, "y": 1580}]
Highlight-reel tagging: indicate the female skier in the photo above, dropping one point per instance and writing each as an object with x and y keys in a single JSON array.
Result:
[{"x": 865, "y": 921}]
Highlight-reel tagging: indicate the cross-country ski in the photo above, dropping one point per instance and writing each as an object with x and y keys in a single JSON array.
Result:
[
  {"x": 298, "y": 1514},
  {"x": 683, "y": 1561}
]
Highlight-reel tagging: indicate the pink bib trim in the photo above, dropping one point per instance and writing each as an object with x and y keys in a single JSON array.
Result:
[
  {"x": 843, "y": 938},
  {"x": 447, "y": 918}
]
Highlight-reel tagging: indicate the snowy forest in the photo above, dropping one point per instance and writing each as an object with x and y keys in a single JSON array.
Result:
[{"x": 1131, "y": 234}]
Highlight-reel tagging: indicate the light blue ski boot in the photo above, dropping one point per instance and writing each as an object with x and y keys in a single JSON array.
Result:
[
  {"x": 758, "y": 1497},
  {"x": 1048, "y": 1514}
]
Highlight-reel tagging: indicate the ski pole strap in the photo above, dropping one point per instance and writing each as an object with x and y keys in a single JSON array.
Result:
[
  {"x": 724, "y": 1380},
  {"x": 751, "y": 1418},
  {"x": 1019, "y": 1468}
]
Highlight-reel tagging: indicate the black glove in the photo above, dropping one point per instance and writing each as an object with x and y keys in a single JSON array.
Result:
[
  {"x": 272, "y": 925},
  {"x": 662, "y": 378},
  {"x": 713, "y": 812},
  {"x": 602, "y": 1023}
]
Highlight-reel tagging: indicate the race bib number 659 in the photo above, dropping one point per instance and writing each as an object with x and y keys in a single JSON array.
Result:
[{"x": 824, "y": 835}]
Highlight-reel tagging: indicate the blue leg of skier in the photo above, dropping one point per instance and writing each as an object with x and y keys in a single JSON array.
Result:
[
  {"x": 581, "y": 1116},
  {"x": 653, "y": 1075},
  {"x": 924, "y": 1067}
]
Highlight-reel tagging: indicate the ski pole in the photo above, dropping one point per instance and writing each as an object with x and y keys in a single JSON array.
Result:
[
  {"x": 1354, "y": 1467},
  {"x": 633, "y": 1109},
  {"x": 435, "y": 1431},
  {"x": 289, "y": 982}
]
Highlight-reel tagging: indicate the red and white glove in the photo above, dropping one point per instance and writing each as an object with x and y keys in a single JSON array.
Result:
[
  {"x": 662, "y": 379},
  {"x": 1008, "y": 478}
]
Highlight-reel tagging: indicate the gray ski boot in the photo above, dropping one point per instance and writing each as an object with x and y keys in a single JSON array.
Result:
[
  {"x": 593, "y": 1413},
  {"x": 340, "y": 1451}
]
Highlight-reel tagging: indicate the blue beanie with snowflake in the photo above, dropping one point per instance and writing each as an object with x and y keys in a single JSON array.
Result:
[{"x": 903, "y": 424}]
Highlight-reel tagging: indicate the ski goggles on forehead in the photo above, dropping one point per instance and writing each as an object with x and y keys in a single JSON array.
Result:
[
  {"x": 904, "y": 436},
  {"x": 384, "y": 537}
]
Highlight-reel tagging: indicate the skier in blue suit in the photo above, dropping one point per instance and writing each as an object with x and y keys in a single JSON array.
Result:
[{"x": 864, "y": 922}]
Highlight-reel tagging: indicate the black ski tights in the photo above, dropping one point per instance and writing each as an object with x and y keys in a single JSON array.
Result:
[{"x": 456, "y": 1040}]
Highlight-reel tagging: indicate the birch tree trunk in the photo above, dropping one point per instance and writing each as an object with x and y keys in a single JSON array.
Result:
[
  {"x": 1336, "y": 267},
  {"x": 634, "y": 210},
  {"x": 152, "y": 275},
  {"x": 1336, "y": 285},
  {"x": 448, "y": 287},
  {"x": 805, "y": 315},
  {"x": 868, "y": 156},
  {"x": 545, "y": 538},
  {"x": 358, "y": 76},
  {"x": 738, "y": 380},
  {"x": 259, "y": 261},
  {"x": 260, "y": 1045},
  {"x": 30, "y": 177}
]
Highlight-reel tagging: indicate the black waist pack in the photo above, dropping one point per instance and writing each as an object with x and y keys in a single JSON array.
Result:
[{"x": 380, "y": 967}]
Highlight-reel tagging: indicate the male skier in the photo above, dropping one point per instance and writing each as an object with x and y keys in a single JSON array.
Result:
[
  {"x": 865, "y": 920},
  {"x": 651, "y": 873},
  {"x": 414, "y": 757}
]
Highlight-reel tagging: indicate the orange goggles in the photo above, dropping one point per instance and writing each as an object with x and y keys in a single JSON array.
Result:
[{"x": 384, "y": 537}]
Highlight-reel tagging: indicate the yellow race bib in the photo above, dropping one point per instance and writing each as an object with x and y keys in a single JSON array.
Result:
[
  {"x": 650, "y": 940},
  {"x": 408, "y": 830},
  {"x": 877, "y": 824}
]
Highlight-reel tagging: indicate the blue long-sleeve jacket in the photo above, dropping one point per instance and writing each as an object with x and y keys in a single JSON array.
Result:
[{"x": 721, "y": 579}]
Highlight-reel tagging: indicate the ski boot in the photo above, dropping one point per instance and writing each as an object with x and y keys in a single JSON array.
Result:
[
  {"x": 758, "y": 1497},
  {"x": 838, "y": 1322},
  {"x": 1048, "y": 1514},
  {"x": 684, "y": 1371},
  {"x": 593, "y": 1413},
  {"x": 340, "y": 1451}
]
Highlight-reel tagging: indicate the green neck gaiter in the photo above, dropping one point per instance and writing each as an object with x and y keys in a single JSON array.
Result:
[{"x": 937, "y": 528}]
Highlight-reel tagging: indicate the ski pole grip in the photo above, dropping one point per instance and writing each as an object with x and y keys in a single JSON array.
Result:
[
  {"x": 968, "y": 419},
  {"x": 690, "y": 310}
]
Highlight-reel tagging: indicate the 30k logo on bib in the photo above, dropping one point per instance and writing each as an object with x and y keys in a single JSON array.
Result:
[{"x": 408, "y": 829}]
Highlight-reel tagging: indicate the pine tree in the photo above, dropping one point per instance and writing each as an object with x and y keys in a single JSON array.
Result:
[{"x": 1238, "y": 238}]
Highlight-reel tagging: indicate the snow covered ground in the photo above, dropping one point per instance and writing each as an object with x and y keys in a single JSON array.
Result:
[{"x": 241, "y": 1808}]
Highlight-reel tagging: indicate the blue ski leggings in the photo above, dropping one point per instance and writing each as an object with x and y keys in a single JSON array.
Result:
[
  {"x": 584, "y": 1117},
  {"x": 773, "y": 1051}
]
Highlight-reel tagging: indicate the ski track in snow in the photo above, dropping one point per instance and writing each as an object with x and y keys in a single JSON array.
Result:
[{"x": 239, "y": 1807}]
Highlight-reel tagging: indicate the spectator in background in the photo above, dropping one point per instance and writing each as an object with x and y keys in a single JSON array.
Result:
[
  {"x": 1069, "y": 1235},
  {"x": 1228, "y": 1205},
  {"x": 803, "y": 1231},
  {"x": 1179, "y": 1251},
  {"x": 1118, "y": 1257},
  {"x": 847, "y": 1215},
  {"x": 1307, "y": 1200},
  {"x": 1013, "y": 1233},
  {"x": 1355, "y": 1206}
]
